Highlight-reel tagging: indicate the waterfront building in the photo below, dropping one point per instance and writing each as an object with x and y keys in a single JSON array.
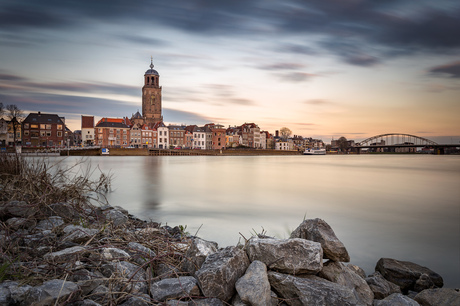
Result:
[
  {"x": 87, "y": 130},
  {"x": 284, "y": 145},
  {"x": 3, "y": 132},
  {"x": 39, "y": 129},
  {"x": 188, "y": 137},
  {"x": 218, "y": 139},
  {"x": 151, "y": 97},
  {"x": 112, "y": 132},
  {"x": 263, "y": 140},
  {"x": 202, "y": 137},
  {"x": 135, "y": 136},
  {"x": 163, "y": 135},
  {"x": 147, "y": 137},
  {"x": 176, "y": 135}
]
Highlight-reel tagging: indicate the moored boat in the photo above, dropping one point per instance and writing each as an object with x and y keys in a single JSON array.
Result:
[{"x": 314, "y": 151}]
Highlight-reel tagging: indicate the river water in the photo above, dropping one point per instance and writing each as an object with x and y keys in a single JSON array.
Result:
[{"x": 405, "y": 207}]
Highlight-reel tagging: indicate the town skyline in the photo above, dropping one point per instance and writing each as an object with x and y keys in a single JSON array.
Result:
[{"x": 323, "y": 69}]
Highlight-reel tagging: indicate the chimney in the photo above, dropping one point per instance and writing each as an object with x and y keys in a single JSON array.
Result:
[{"x": 277, "y": 133}]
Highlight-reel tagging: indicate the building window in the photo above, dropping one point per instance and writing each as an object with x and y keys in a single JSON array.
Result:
[
  {"x": 26, "y": 125},
  {"x": 59, "y": 126},
  {"x": 42, "y": 133},
  {"x": 48, "y": 133},
  {"x": 26, "y": 133},
  {"x": 34, "y": 126},
  {"x": 48, "y": 126},
  {"x": 59, "y": 134}
]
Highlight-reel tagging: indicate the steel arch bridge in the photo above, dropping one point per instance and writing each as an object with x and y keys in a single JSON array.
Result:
[{"x": 396, "y": 139}]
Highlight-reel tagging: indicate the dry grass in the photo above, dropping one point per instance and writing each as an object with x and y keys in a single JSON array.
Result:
[{"x": 39, "y": 189}]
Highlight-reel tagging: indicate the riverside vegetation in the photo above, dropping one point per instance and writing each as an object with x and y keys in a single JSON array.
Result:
[{"x": 62, "y": 244}]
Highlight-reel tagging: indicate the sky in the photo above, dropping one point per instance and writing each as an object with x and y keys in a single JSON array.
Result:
[{"x": 323, "y": 68}]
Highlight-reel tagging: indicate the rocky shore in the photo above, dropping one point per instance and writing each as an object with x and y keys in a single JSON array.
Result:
[{"x": 88, "y": 255}]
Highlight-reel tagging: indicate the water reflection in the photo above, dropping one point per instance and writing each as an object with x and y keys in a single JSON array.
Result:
[{"x": 404, "y": 207}]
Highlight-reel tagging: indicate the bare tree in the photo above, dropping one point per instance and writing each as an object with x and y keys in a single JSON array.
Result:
[
  {"x": 2, "y": 110},
  {"x": 342, "y": 143},
  {"x": 285, "y": 133},
  {"x": 15, "y": 115}
]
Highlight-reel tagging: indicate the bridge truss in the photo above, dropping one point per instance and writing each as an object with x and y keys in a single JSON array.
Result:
[{"x": 396, "y": 139}]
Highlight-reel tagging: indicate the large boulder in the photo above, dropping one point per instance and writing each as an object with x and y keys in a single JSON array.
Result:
[
  {"x": 220, "y": 271},
  {"x": 196, "y": 254},
  {"x": 78, "y": 234},
  {"x": 311, "y": 290},
  {"x": 140, "y": 253},
  {"x": 50, "y": 292},
  {"x": 66, "y": 255},
  {"x": 50, "y": 223},
  {"x": 129, "y": 277},
  {"x": 438, "y": 296},
  {"x": 380, "y": 286},
  {"x": 339, "y": 273},
  {"x": 172, "y": 288},
  {"x": 11, "y": 293},
  {"x": 405, "y": 274},
  {"x": 396, "y": 299},
  {"x": 253, "y": 287},
  {"x": 116, "y": 217},
  {"x": 318, "y": 230},
  {"x": 293, "y": 256}
]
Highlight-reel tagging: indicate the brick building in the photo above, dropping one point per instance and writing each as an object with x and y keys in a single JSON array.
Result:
[{"x": 45, "y": 130}]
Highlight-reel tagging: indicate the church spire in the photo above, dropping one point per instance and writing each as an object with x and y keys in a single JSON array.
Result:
[{"x": 151, "y": 62}]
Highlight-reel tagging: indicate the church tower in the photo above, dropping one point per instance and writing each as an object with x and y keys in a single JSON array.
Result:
[{"x": 151, "y": 96}]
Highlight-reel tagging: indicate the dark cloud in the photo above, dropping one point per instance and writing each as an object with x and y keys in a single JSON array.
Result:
[
  {"x": 451, "y": 70},
  {"x": 295, "y": 76},
  {"x": 142, "y": 40},
  {"x": 13, "y": 82},
  {"x": 391, "y": 28},
  {"x": 282, "y": 66},
  {"x": 179, "y": 116}
]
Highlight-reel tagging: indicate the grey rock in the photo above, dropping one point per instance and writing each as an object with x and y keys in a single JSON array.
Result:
[
  {"x": 16, "y": 223},
  {"x": 20, "y": 209},
  {"x": 164, "y": 271},
  {"x": 380, "y": 286},
  {"x": 177, "y": 303},
  {"x": 318, "y": 230},
  {"x": 207, "y": 302},
  {"x": 339, "y": 273},
  {"x": 293, "y": 256},
  {"x": 396, "y": 299},
  {"x": 405, "y": 274},
  {"x": 438, "y": 297},
  {"x": 61, "y": 209},
  {"x": 130, "y": 278},
  {"x": 140, "y": 253},
  {"x": 311, "y": 290},
  {"x": 50, "y": 223},
  {"x": 50, "y": 292},
  {"x": 11, "y": 293},
  {"x": 196, "y": 254},
  {"x": 174, "y": 288},
  {"x": 42, "y": 238},
  {"x": 101, "y": 294},
  {"x": 110, "y": 254},
  {"x": 69, "y": 254},
  {"x": 358, "y": 270},
  {"x": 138, "y": 300},
  {"x": 220, "y": 271},
  {"x": 423, "y": 282},
  {"x": 117, "y": 217},
  {"x": 78, "y": 234},
  {"x": 237, "y": 301},
  {"x": 253, "y": 287}
]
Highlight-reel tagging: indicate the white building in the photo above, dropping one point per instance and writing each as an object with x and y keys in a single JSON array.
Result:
[
  {"x": 284, "y": 145},
  {"x": 163, "y": 137}
]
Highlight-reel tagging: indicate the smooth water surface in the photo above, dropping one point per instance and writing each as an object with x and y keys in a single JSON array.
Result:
[{"x": 405, "y": 207}]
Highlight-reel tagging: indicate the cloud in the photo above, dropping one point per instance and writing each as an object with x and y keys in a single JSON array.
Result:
[
  {"x": 282, "y": 66},
  {"x": 142, "y": 40},
  {"x": 317, "y": 102},
  {"x": 451, "y": 70},
  {"x": 296, "y": 76},
  {"x": 179, "y": 117}
]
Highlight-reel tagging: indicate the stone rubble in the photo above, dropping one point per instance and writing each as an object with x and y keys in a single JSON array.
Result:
[{"x": 104, "y": 256}]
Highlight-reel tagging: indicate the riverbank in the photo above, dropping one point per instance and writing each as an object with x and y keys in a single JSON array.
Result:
[{"x": 56, "y": 246}]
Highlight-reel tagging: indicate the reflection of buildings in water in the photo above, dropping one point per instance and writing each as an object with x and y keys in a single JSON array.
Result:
[{"x": 151, "y": 190}]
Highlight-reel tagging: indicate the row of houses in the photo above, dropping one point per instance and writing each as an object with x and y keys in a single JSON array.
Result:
[{"x": 49, "y": 130}]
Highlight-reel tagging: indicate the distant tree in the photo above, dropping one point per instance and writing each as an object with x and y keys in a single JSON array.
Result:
[
  {"x": 15, "y": 115},
  {"x": 285, "y": 133},
  {"x": 342, "y": 143},
  {"x": 2, "y": 110}
]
